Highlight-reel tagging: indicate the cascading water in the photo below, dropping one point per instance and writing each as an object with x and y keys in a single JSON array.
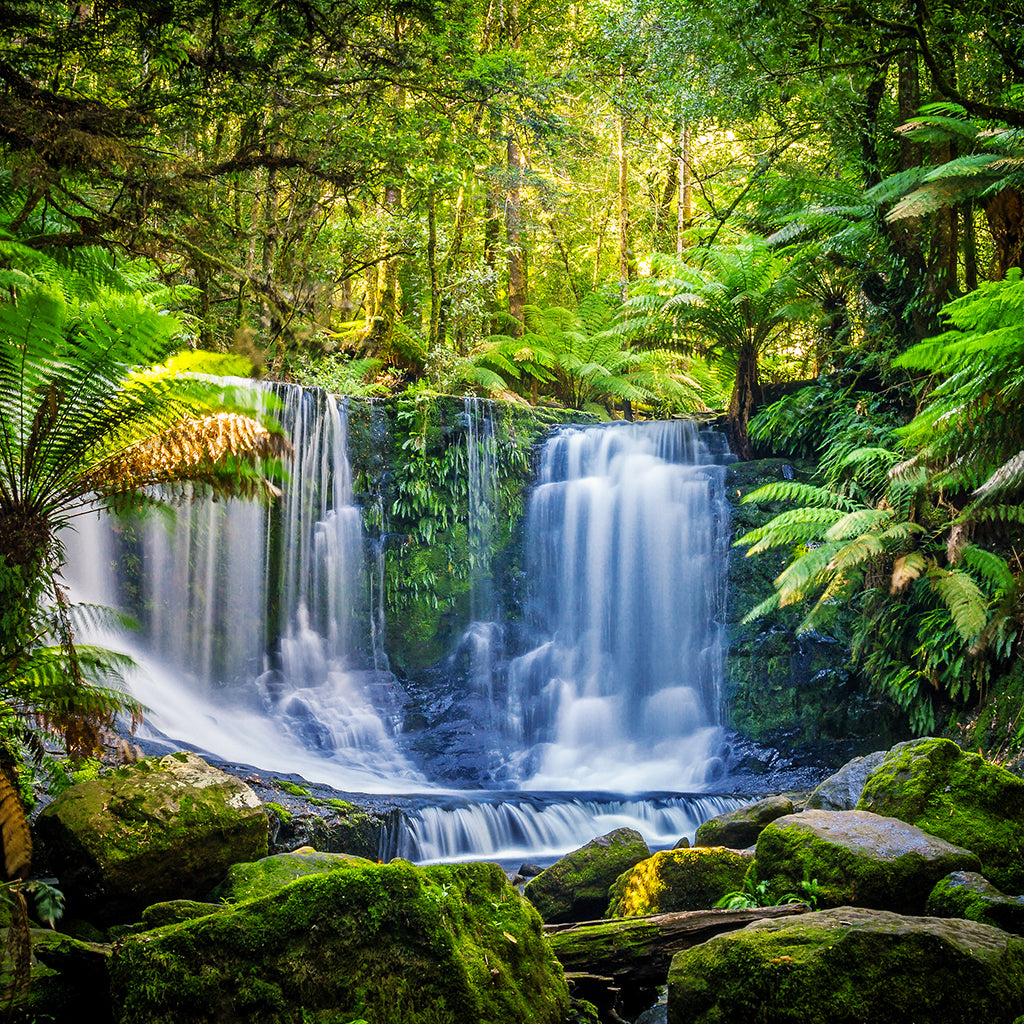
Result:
[
  {"x": 627, "y": 535},
  {"x": 257, "y": 640},
  {"x": 263, "y": 636}
]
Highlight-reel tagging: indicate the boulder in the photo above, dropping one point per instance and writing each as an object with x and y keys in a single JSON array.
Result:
[
  {"x": 971, "y": 896},
  {"x": 957, "y": 796},
  {"x": 174, "y": 912},
  {"x": 67, "y": 976},
  {"x": 575, "y": 888},
  {"x": 681, "y": 879},
  {"x": 841, "y": 791},
  {"x": 740, "y": 828},
  {"x": 377, "y": 942},
  {"x": 856, "y": 858},
  {"x": 158, "y": 829},
  {"x": 261, "y": 877},
  {"x": 851, "y": 965}
]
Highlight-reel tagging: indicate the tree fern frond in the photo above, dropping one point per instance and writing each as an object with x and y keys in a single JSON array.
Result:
[{"x": 963, "y": 598}]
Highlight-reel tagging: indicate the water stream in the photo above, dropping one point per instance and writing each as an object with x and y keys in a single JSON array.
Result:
[{"x": 262, "y": 636}]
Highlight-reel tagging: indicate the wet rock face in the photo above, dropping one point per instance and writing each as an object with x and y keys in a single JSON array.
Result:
[
  {"x": 740, "y": 828},
  {"x": 575, "y": 888},
  {"x": 162, "y": 828},
  {"x": 856, "y": 858},
  {"x": 362, "y": 941},
  {"x": 958, "y": 796},
  {"x": 851, "y": 965},
  {"x": 969, "y": 895}
]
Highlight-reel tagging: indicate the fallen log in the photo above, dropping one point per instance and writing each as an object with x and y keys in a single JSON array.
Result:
[{"x": 637, "y": 950}]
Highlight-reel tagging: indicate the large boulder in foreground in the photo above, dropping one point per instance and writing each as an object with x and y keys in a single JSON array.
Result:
[
  {"x": 575, "y": 888},
  {"x": 971, "y": 896},
  {"x": 856, "y": 858},
  {"x": 959, "y": 797},
  {"x": 740, "y": 828},
  {"x": 159, "y": 829},
  {"x": 851, "y": 965},
  {"x": 368, "y": 942},
  {"x": 687, "y": 879}
]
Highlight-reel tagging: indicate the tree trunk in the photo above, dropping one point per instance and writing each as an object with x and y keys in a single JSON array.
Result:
[
  {"x": 684, "y": 213},
  {"x": 516, "y": 263},
  {"x": 746, "y": 396},
  {"x": 623, "y": 162},
  {"x": 1005, "y": 215},
  {"x": 600, "y": 957}
]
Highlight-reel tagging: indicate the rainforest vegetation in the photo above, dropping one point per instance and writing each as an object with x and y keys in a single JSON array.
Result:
[{"x": 806, "y": 218}]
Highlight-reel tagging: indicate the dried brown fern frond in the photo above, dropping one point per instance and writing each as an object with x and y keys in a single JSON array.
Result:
[
  {"x": 185, "y": 451},
  {"x": 14, "y": 833}
]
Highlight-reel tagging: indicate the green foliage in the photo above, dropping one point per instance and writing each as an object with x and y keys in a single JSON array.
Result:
[{"x": 572, "y": 357}]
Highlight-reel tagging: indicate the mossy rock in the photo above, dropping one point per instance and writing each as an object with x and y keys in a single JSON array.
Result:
[
  {"x": 971, "y": 896},
  {"x": 740, "y": 828},
  {"x": 391, "y": 944},
  {"x": 959, "y": 797},
  {"x": 70, "y": 981},
  {"x": 158, "y": 829},
  {"x": 848, "y": 966},
  {"x": 575, "y": 888},
  {"x": 841, "y": 790},
  {"x": 856, "y": 858},
  {"x": 693, "y": 879},
  {"x": 262, "y": 877},
  {"x": 176, "y": 911}
]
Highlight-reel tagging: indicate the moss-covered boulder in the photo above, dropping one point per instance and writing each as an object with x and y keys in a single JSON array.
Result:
[
  {"x": 575, "y": 888},
  {"x": 856, "y": 858},
  {"x": 693, "y": 879},
  {"x": 262, "y": 877},
  {"x": 973, "y": 897},
  {"x": 740, "y": 828},
  {"x": 842, "y": 790},
  {"x": 848, "y": 966},
  {"x": 70, "y": 981},
  {"x": 391, "y": 944},
  {"x": 959, "y": 797},
  {"x": 176, "y": 911},
  {"x": 159, "y": 829}
]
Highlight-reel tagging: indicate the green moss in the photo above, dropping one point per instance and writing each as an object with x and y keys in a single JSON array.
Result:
[
  {"x": 575, "y": 888},
  {"x": 259, "y": 878},
  {"x": 959, "y": 797},
  {"x": 970, "y": 896},
  {"x": 857, "y": 860},
  {"x": 161, "y": 827},
  {"x": 281, "y": 813},
  {"x": 393, "y": 944},
  {"x": 293, "y": 788},
  {"x": 847, "y": 967},
  {"x": 689, "y": 879},
  {"x": 176, "y": 911}
]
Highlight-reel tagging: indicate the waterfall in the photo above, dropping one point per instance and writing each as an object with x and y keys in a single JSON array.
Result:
[
  {"x": 263, "y": 637},
  {"x": 258, "y": 641},
  {"x": 627, "y": 543},
  {"x": 516, "y": 827}
]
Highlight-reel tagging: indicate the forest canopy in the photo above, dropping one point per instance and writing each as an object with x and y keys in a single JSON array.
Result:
[{"x": 636, "y": 207}]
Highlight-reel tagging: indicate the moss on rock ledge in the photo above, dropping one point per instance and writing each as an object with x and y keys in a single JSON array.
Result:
[
  {"x": 575, "y": 888},
  {"x": 959, "y": 797},
  {"x": 849, "y": 966},
  {"x": 159, "y": 829},
  {"x": 693, "y": 879},
  {"x": 392, "y": 944}
]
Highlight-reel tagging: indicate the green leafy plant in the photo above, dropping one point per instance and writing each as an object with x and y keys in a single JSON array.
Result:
[{"x": 729, "y": 300}]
